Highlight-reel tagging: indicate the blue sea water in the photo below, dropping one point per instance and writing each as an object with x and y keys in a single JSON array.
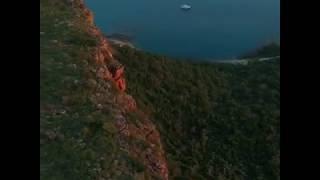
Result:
[{"x": 213, "y": 29}]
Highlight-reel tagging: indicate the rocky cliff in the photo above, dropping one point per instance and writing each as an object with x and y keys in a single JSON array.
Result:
[{"x": 130, "y": 135}]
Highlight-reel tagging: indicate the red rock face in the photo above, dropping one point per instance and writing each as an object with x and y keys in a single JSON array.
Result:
[
  {"x": 89, "y": 16},
  {"x": 99, "y": 56},
  {"x": 103, "y": 52},
  {"x": 95, "y": 32},
  {"x": 118, "y": 73},
  {"x": 103, "y": 55},
  {"x": 121, "y": 84},
  {"x": 111, "y": 70},
  {"x": 130, "y": 104},
  {"x": 127, "y": 102}
]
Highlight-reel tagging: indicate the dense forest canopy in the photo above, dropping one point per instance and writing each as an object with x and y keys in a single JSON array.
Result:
[{"x": 216, "y": 120}]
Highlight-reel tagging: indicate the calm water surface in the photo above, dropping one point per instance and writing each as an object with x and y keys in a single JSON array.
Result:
[{"x": 215, "y": 29}]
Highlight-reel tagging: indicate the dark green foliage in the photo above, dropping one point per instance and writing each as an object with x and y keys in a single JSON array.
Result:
[
  {"x": 219, "y": 121},
  {"x": 135, "y": 165}
]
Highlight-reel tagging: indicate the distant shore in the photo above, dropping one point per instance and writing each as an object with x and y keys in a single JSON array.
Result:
[
  {"x": 121, "y": 43},
  {"x": 265, "y": 53},
  {"x": 121, "y": 40},
  {"x": 245, "y": 61}
]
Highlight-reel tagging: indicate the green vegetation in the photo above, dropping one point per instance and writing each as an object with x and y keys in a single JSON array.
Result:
[{"x": 217, "y": 121}]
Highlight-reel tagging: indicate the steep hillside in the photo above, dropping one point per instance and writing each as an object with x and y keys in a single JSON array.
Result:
[
  {"x": 90, "y": 128},
  {"x": 124, "y": 114},
  {"x": 217, "y": 121}
]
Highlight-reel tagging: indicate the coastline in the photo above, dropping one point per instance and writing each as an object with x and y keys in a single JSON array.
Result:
[
  {"x": 245, "y": 61},
  {"x": 121, "y": 43},
  {"x": 120, "y": 40}
]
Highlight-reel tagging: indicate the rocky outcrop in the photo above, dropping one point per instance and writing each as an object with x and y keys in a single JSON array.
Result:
[
  {"x": 89, "y": 16},
  {"x": 121, "y": 84},
  {"x": 117, "y": 71},
  {"x": 110, "y": 68}
]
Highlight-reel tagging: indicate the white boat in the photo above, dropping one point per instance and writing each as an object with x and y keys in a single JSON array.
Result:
[{"x": 185, "y": 6}]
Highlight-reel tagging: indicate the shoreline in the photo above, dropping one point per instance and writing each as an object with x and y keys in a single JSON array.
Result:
[
  {"x": 121, "y": 43},
  {"x": 119, "y": 39},
  {"x": 122, "y": 40},
  {"x": 245, "y": 61}
]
